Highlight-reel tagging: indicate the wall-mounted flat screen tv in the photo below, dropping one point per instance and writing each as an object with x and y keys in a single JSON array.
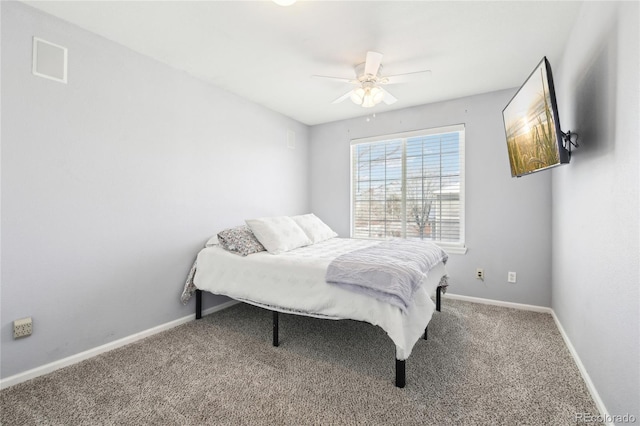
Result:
[{"x": 532, "y": 125}]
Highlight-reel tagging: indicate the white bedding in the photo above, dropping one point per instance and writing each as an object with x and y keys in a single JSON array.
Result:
[{"x": 294, "y": 281}]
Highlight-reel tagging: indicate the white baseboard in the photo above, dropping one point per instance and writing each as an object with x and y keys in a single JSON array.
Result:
[
  {"x": 583, "y": 371},
  {"x": 521, "y": 306},
  {"x": 74, "y": 359}
]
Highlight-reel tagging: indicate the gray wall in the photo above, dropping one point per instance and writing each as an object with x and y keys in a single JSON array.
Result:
[
  {"x": 112, "y": 183},
  {"x": 508, "y": 221},
  {"x": 595, "y": 201}
]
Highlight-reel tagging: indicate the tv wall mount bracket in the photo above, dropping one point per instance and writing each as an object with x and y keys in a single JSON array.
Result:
[{"x": 568, "y": 141}]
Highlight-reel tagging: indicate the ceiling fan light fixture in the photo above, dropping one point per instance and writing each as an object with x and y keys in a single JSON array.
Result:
[
  {"x": 377, "y": 95},
  {"x": 368, "y": 103},
  {"x": 357, "y": 96},
  {"x": 369, "y": 81},
  {"x": 367, "y": 96},
  {"x": 368, "y": 100}
]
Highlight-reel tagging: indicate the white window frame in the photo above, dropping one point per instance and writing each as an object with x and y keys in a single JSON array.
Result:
[{"x": 451, "y": 247}]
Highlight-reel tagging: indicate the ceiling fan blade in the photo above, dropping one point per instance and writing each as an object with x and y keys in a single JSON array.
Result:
[
  {"x": 403, "y": 78},
  {"x": 388, "y": 97},
  {"x": 372, "y": 65},
  {"x": 340, "y": 79},
  {"x": 343, "y": 97}
]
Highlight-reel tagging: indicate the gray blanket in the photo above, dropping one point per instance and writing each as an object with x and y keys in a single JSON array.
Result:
[{"x": 390, "y": 271}]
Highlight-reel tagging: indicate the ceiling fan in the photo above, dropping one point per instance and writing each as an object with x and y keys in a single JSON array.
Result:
[{"x": 369, "y": 79}]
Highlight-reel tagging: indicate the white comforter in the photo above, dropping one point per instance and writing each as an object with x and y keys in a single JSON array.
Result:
[{"x": 295, "y": 282}]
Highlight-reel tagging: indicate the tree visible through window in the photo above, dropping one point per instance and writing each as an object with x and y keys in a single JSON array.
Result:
[{"x": 409, "y": 186}]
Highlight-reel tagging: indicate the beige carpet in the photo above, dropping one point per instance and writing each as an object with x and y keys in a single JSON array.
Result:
[{"x": 482, "y": 365}]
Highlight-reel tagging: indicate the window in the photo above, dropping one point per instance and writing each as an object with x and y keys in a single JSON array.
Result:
[{"x": 410, "y": 185}]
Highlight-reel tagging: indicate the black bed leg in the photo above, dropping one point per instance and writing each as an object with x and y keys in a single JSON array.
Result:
[
  {"x": 425, "y": 332},
  {"x": 438, "y": 296},
  {"x": 400, "y": 378},
  {"x": 275, "y": 328},
  {"x": 198, "y": 304}
]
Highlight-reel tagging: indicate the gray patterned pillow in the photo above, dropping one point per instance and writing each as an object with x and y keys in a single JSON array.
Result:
[{"x": 240, "y": 240}]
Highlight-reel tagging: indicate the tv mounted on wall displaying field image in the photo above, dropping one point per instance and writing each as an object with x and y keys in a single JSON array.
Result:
[{"x": 534, "y": 139}]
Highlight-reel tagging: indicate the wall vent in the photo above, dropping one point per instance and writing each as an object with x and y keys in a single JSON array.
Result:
[{"x": 49, "y": 60}]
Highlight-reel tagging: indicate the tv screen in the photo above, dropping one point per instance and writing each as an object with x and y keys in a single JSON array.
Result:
[{"x": 532, "y": 126}]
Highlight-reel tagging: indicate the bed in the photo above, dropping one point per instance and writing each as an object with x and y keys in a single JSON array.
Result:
[{"x": 294, "y": 281}]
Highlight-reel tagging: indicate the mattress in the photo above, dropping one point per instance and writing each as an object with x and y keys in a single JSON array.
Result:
[{"x": 294, "y": 282}]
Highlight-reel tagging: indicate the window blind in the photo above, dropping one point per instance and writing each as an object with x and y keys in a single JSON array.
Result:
[{"x": 409, "y": 185}]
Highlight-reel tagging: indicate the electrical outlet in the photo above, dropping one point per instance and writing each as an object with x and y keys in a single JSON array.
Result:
[
  {"x": 22, "y": 327},
  {"x": 480, "y": 274},
  {"x": 511, "y": 277}
]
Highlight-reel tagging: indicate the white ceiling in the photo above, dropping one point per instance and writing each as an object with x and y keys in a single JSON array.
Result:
[{"x": 268, "y": 53}]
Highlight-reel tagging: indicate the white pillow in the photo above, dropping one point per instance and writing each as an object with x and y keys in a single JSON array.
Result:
[
  {"x": 213, "y": 241},
  {"x": 315, "y": 228},
  {"x": 278, "y": 234}
]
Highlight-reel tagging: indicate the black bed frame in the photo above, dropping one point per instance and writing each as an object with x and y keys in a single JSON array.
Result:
[{"x": 400, "y": 364}]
